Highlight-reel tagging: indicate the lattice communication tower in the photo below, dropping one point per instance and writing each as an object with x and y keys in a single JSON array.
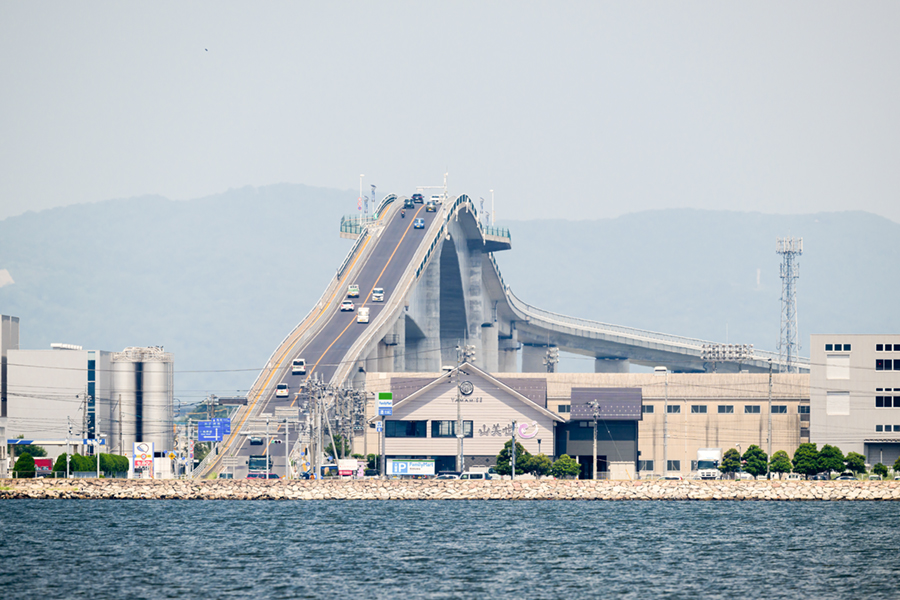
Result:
[{"x": 789, "y": 342}]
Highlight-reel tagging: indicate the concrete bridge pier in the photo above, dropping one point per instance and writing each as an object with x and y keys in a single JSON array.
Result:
[
  {"x": 397, "y": 341},
  {"x": 490, "y": 348},
  {"x": 533, "y": 358},
  {"x": 507, "y": 354},
  {"x": 611, "y": 365}
]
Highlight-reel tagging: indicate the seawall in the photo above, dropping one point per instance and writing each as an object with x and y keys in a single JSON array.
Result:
[{"x": 373, "y": 489}]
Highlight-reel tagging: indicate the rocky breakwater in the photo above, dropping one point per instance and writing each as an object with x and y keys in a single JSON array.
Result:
[{"x": 374, "y": 489}]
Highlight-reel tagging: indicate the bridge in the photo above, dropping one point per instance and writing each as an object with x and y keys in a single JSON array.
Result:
[{"x": 442, "y": 289}]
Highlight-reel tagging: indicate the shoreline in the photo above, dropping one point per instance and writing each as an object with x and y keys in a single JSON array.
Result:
[{"x": 374, "y": 489}]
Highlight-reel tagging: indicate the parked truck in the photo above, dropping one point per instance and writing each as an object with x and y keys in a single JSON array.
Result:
[{"x": 708, "y": 461}]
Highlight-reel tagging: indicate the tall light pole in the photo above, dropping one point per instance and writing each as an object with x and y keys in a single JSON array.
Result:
[
  {"x": 492, "y": 208},
  {"x": 769, "y": 457},
  {"x": 360, "y": 192},
  {"x": 596, "y": 408},
  {"x": 665, "y": 371}
]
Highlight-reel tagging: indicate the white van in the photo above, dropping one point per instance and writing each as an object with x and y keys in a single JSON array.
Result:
[
  {"x": 471, "y": 475},
  {"x": 281, "y": 390},
  {"x": 362, "y": 315},
  {"x": 298, "y": 366}
]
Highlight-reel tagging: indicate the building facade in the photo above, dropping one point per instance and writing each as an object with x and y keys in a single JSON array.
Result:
[
  {"x": 855, "y": 394},
  {"x": 704, "y": 410}
]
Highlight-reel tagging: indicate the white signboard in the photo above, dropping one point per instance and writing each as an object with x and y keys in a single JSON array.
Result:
[
  {"x": 143, "y": 455},
  {"x": 397, "y": 466}
]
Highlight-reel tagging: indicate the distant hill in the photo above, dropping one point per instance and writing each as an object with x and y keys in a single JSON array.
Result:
[
  {"x": 710, "y": 274},
  {"x": 219, "y": 281}
]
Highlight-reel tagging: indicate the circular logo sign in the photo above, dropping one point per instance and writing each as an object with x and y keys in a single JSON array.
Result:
[{"x": 466, "y": 388}]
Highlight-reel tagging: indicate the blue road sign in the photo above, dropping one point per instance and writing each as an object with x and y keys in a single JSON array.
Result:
[
  {"x": 223, "y": 424},
  {"x": 209, "y": 431},
  {"x": 379, "y": 427}
]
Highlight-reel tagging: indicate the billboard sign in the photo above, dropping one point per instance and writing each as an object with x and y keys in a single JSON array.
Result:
[
  {"x": 143, "y": 455},
  {"x": 385, "y": 404},
  {"x": 410, "y": 467}
]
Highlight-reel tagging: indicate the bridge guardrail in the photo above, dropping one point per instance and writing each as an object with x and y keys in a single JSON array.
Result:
[{"x": 257, "y": 389}]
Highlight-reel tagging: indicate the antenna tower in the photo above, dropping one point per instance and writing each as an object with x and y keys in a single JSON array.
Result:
[{"x": 789, "y": 342}]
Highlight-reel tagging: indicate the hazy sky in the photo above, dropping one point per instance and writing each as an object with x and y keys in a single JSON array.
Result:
[{"x": 571, "y": 109}]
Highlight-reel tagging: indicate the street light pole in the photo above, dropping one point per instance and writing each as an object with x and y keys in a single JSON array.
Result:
[
  {"x": 267, "y": 448},
  {"x": 665, "y": 466},
  {"x": 512, "y": 453},
  {"x": 769, "y": 457},
  {"x": 596, "y": 409}
]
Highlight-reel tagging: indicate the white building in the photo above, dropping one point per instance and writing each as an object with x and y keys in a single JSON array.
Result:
[{"x": 855, "y": 394}]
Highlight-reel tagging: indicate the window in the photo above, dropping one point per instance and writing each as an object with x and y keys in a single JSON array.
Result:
[
  {"x": 444, "y": 429},
  {"x": 564, "y": 408},
  {"x": 878, "y": 429},
  {"x": 645, "y": 465},
  {"x": 887, "y": 402},
  {"x": 671, "y": 409},
  {"x": 780, "y": 409},
  {"x": 887, "y": 348},
  {"x": 726, "y": 409},
  {"x": 751, "y": 409},
  {"x": 828, "y": 348},
  {"x": 896, "y": 427},
  {"x": 803, "y": 409},
  {"x": 673, "y": 465},
  {"x": 647, "y": 408},
  {"x": 846, "y": 347},
  {"x": 837, "y": 403},
  {"x": 837, "y": 366},
  {"x": 879, "y": 348},
  {"x": 884, "y": 364},
  {"x": 698, "y": 409},
  {"x": 837, "y": 347},
  {"x": 394, "y": 429}
]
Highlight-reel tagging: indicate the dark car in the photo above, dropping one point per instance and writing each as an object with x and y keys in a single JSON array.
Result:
[
  {"x": 821, "y": 477},
  {"x": 262, "y": 476},
  {"x": 430, "y": 207},
  {"x": 256, "y": 441},
  {"x": 419, "y": 223},
  {"x": 408, "y": 203},
  {"x": 418, "y": 198}
]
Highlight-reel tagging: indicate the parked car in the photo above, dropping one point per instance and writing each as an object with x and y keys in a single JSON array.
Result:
[
  {"x": 792, "y": 476},
  {"x": 262, "y": 476},
  {"x": 347, "y": 305},
  {"x": 874, "y": 477},
  {"x": 480, "y": 475},
  {"x": 821, "y": 477},
  {"x": 846, "y": 478},
  {"x": 448, "y": 475},
  {"x": 419, "y": 223},
  {"x": 418, "y": 198}
]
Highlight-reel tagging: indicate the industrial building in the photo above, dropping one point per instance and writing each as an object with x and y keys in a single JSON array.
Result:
[
  {"x": 633, "y": 412},
  {"x": 855, "y": 394},
  {"x": 68, "y": 392},
  {"x": 9, "y": 340}
]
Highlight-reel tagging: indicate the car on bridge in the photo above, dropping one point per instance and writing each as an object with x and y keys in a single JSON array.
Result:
[
  {"x": 419, "y": 223},
  {"x": 281, "y": 390},
  {"x": 377, "y": 294},
  {"x": 408, "y": 203},
  {"x": 256, "y": 441},
  {"x": 431, "y": 207},
  {"x": 353, "y": 291},
  {"x": 418, "y": 198},
  {"x": 347, "y": 305},
  {"x": 298, "y": 366}
]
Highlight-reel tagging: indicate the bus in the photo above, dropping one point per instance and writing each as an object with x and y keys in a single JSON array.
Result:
[{"x": 257, "y": 463}]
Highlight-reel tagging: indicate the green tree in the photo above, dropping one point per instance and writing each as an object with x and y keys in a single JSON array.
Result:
[
  {"x": 897, "y": 465},
  {"x": 780, "y": 463},
  {"x": 24, "y": 465},
  {"x": 201, "y": 449},
  {"x": 341, "y": 444},
  {"x": 523, "y": 457},
  {"x": 831, "y": 459},
  {"x": 15, "y": 450},
  {"x": 731, "y": 461},
  {"x": 806, "y": 459},
  {"x": 755, "y": 460},
  {"x": 856, "y": 462},
  {"x": 373, "y": 461},
  {"x": 60, "y": 464},
  {"x": 540, "y": 465},
  {"x": 880, "y": 469},
  {"x": 565, "y": 467}
]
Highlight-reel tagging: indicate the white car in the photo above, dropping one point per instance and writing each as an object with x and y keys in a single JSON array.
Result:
[
  {"x": 347, "y": 305},
  {"x": 378, "y": 295},
  {"x": 298, "y": 366},
  {"x": 281, "y": 390}
]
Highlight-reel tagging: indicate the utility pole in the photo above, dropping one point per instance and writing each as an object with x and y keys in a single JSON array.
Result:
[
  {"x": 97, "y": 444},
  {"x": 551, "y": 358},
  {"x": 512, "y": 454},
  {"x": 665, "y": 371},
  {"x": 68, "y": 447},
  {"x": 459, "y": 455},
  {"x": 267, "y": 448},
  {"x": 770, "y": 421},
  {"x": 595, "y": 405}
]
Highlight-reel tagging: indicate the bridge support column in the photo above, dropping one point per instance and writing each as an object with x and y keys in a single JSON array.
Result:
[
  {"x": 398, "y": 338},
  {"x": 489, "y": 343},
  {"x": 533, "y": 358},
  {"x": 611, "y": 365},
  {"x": 475, "y": 318}
]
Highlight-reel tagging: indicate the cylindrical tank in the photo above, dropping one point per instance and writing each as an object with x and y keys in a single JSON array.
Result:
[
  {"x": 123, "y": 403},
  {"x": 158, "y": 403}
]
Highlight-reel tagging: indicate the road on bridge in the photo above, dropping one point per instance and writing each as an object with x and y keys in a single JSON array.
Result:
[{"x": 384, "y": 266}]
